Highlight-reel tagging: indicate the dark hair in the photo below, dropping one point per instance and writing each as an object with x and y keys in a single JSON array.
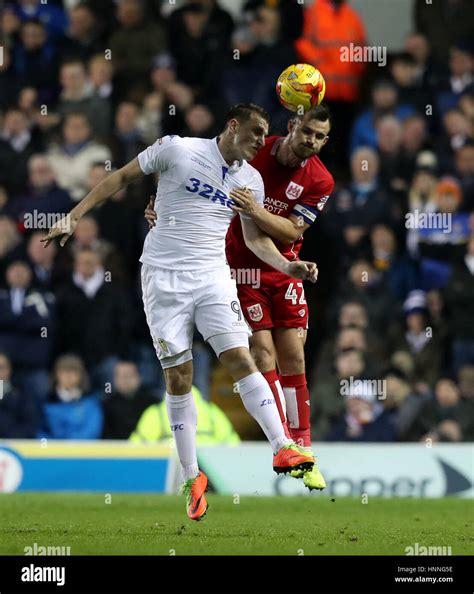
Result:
[
  {"x": 243, "y": 112},
  {"x": 33, "y": 21},
  {"x": 321, "y": 113},
  {"x": 404, "y": 58}
]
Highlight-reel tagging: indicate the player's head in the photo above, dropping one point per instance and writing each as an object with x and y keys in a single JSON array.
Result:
[
  {"x": 246, "y": 126},
  {"x": 308, "y": 133}
]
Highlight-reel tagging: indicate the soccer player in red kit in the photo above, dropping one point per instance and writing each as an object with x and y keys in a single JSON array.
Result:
[{"x": 297, "y": 186}]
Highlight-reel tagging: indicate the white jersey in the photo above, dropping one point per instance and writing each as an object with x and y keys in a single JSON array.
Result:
[{"x": 193, "y": 205}]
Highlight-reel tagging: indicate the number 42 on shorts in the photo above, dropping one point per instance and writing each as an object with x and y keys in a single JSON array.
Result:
[{"x": 291, "y": 293}]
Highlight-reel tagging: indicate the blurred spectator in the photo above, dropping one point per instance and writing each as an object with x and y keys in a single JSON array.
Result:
[
  {"x": 362, "y": 421},
  {"x": 35, "y": 61},
  {"x": 367, "y": 285},
  {"x": 125, "y": 405},
  {"x": 41, "y": 260},
  {"x": 384, "y": 98},
  {"x": 126, "y": 140},
  {"x": 401, "y": 402},
  {"x": 330, "y": 26},
  {"x": 202, "y": 30},
  {"x": 78, "y": 95},
  {"x": 82, "y": 38},
  {"x": 466, "y": 390},
  {"x": 72, "y": 159},
  {"x": 441, "y": 417},
  {"x": 464, "y": 171},
  {"x": 214, "y": 428},
  {"x": 389, "y": 144},
  {"x": 42, "y": 197},
  {"x": 10, "y": 244},
  {"x": 443, "y": 23},
  {"x": 404, "y": 71},
  {"x": 72, "y": 411},
  {"x": 398, "y": 269},
  {"x": 459, "y": 297},
  {"x": 27, "y": 329},
  {"x": 413, "y": 142},
  {"x": 290, "y": 17},
  {"x": 50, "y": 14},
  {"x": 442, "y": 240},
  {"x": 421, "y": 200},
  {"x": 457, "y": 131},
  {"x": 94, "y": 317},
  {"x": 87, "y": 237},
  {"x": 200, "y": 122},
  {"x": 18, "y": 142},
  {"x": 353, "y": 209},
  {"x": 134, "y": 44},
  {"x": 461, "y": 78},
  {"x": 9, "y": 84},
  {"x": 420, "y": 340},
  {"x": 428, "y": 70},
  {"x": 19, "y": 412},
  {"x": 100, "y": 71},
  {"x": 327, "y": 402}
]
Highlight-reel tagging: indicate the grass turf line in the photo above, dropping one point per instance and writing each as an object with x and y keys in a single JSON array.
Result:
[{"x": 157, "y": 525}]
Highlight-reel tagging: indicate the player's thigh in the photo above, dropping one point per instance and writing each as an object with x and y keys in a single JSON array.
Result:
[
  {"x": 217, "y": 307},
  {"x": 262, "y": 349},
  {"x": 289, "y": 346},
  {"x": 169, "y": 310},
  {"x": 256, "y": 305},
  {"x": 289, "y": 307}
]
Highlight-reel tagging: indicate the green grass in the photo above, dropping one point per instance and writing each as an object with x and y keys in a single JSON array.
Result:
[{"x": 156, "y": 525}]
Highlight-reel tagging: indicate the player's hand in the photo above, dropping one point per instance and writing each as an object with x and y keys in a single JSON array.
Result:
[
  {"x": 64, "y": 227},
  {"x": 244, "y": 200},
  {"x": 303, "y": 270},
  {"x": 150, "y": 214}
]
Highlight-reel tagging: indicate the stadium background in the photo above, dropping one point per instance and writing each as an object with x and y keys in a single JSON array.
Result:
[{"x": 85, "y": 86}]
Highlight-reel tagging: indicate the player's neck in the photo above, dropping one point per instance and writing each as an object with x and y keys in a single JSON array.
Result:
[{"x": 286, "y": 156}]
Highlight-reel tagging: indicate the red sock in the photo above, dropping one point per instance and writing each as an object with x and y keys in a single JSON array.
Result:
[
  {"x": 297, "y": 408},
  {"x": 274, "y": 382}
]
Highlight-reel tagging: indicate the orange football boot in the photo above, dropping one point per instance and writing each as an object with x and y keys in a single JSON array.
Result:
[
  {"x": 292, "y": 457},
  {"x": 196, "y": 503}
]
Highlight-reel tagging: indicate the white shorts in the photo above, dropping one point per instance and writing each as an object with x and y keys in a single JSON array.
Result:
[{"x": 176, "y": 301}]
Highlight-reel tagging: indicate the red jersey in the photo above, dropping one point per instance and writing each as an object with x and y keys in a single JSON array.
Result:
[{"x": 302, "y": 191}]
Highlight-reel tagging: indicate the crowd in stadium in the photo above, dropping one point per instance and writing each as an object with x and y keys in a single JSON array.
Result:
[{"x": 85, "y": 86}]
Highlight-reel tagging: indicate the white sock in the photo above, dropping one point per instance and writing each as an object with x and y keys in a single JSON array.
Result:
[
  {"x": 260, "y": 403},
  {"x": 182, "y": 415}
]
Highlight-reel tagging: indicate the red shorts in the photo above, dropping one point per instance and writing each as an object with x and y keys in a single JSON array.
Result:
[{"x": 278, "y": 302}]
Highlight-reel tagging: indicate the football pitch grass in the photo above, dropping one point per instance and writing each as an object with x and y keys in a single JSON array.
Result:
[{"x": 158, "y": 525}]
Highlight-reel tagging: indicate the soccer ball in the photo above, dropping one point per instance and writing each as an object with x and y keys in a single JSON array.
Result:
[{"x": 300, "y": 87}]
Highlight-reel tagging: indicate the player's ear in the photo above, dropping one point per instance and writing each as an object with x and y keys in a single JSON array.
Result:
[{"x": 233, "y": 125}]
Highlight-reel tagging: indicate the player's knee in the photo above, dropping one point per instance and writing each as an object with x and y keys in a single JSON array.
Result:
[
  {"x": 264, "y": 358},
  {"x": 238, "y": 362},
  {"x": 292, "y": 364},
  {"x": 179, "y": 379}
]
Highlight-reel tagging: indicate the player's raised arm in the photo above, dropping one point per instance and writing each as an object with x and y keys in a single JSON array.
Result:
[
  {"x": 104, "y": 190},
  {"x": 264, "y": 248}
]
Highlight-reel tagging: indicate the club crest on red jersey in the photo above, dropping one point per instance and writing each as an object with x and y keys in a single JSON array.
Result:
[
  {"x": 255, "y": 312},
  {"x": 294, "y": 191}
]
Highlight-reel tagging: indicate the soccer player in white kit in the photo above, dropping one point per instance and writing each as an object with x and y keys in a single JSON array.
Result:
[{"x": 186, "y": 280}]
